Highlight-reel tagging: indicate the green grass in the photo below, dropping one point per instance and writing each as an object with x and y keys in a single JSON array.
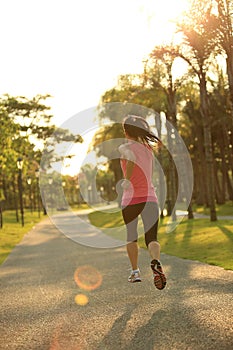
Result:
[
  {"x": 196, "y": 239},
  {"x": 80, "y": 206},
  {"x": 222, "y": 210},
  {"x": 106, "y": 219},
  {"x": 199, "y": 239},
  {"x": 12, "y": 232}
]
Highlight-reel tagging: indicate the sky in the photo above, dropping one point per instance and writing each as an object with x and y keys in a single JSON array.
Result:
[{"x": 75, "y": 50}]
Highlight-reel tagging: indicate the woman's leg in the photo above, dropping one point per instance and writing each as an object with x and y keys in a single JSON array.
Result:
[
  {"x": 130, "y": 215},
  {"x": 132, "y": 250},
  {"x": 150, "y": 217},
  {"x": 154, "y": 250}
]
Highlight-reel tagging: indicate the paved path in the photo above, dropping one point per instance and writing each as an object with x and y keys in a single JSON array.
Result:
[{"x": 38, "y": 309}]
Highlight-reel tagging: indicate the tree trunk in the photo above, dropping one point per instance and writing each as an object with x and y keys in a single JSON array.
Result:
[
  {"x": 218, "y": 190},
  {"x": 16, "y": 200},
  {"x": 229, "y": 64},
  {"x": 223, "y": 180},
  {"x": 229, "y": 186},
  {"x": 208, "y": 147},
  {"x": 172, "y": 117},
  {"x": 201, "y": 176},
  {"x": 172, "y": 177},
  {"x": 1, "y": 217},
  {"x": 230, "y": 149},
  {"x": 161, "y": 191},
  {"x": 225, "y": 18},
  {"x": 223, "y": 170},
  {"x": 190, "y": 212}
]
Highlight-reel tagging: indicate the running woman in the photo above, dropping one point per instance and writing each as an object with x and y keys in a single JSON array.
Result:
[{"x": 139, "y": 198}]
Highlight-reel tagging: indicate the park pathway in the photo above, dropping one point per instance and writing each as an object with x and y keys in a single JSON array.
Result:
[{"x": 48, "y": 278}]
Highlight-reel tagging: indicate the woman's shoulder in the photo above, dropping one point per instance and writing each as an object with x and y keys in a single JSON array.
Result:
[{"x": 126, "y": 151}]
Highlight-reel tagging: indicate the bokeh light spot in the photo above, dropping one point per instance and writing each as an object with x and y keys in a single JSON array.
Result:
[
  {"x": 81, "y": 299},
  {"x": 88, "y": 278}
]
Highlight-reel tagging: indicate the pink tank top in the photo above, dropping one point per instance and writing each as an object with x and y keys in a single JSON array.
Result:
[{"x": 141, "y": 188}]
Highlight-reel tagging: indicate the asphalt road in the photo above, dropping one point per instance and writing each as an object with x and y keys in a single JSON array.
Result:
[{"x": 48, "y": 278}]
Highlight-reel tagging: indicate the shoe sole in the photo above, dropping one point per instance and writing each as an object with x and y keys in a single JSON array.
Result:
[
  {"x": 159, "y": 279},
  {"x": 136, "y": 280}
]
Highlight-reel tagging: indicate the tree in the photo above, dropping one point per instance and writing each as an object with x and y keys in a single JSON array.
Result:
[
  {"x": 224, "y": 29},
  {"x": 12, "y": 146},
  {"x": 105, "y": 143},
  {"x": 31, "y": 116},
  {"x": 56, "y": 148},
  {"x": 132, "y": 95},
  {"x": 25, "y": 128},
  {"x": 198, "y": 28},
  {"x": 88, "y": 183},
  {"x": 105, "y": 184},
  {"x": 161, "y": 77},
  {"x": 220, "y": 103}
]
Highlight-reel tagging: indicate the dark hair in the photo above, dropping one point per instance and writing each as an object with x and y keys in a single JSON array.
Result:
[{"x": 138, "y": 128}]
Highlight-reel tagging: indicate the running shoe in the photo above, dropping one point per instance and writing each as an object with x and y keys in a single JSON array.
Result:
[
  {"x": 158, "y": 274},
  {"x": 134, "y": 276}
]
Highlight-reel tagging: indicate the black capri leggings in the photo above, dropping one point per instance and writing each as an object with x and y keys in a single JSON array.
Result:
[{"x": 150, "y": 216}]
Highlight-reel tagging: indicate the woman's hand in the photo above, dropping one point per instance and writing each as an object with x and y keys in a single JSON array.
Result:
[{"x": 125, "y": 184}]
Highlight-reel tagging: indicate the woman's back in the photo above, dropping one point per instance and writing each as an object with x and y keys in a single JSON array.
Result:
[{"x": 141, "y": 188}]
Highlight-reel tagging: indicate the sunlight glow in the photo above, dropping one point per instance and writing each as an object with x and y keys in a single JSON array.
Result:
[{"x": 161, "y": 17}]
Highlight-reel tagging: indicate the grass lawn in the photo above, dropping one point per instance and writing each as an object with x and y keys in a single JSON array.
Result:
[
  {"x": 196, "y": 239},
  {"x": 12, "y": 232},
  {"x": 199, "y": 239},
  {"x": 222, "y": 210}
]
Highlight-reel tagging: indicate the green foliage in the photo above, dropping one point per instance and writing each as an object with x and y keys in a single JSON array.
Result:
[
  {"x": 24, "y": 124},
  {"x": 224, "y": 25},
  {"x": 31, "y": 116},
  {"x": 131, "y": 95},
  {"x": 26, "y": 131},
  {"x": 199, "y": 28}
]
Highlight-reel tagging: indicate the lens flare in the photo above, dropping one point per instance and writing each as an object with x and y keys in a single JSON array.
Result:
[
  {"x": 81, "y": 299},
  {"x": 88, "y": 278}
]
